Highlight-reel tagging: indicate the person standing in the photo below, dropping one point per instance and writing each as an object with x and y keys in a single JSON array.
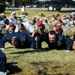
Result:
[{"x": 2, "y": 63}]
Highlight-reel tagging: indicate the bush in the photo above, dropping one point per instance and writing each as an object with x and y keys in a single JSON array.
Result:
[{"x": 2, "y": 7}]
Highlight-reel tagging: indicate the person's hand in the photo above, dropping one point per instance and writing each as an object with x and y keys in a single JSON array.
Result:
[
  {"x": 67, "y": 50},
  {"x": 31, "y": 49},
  {"x": 2, "y": 48},
  {"x": 59, "y": 43}
]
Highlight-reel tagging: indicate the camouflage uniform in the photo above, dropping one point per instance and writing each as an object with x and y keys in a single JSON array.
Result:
[
  {"x": 3, "y": 32},
  {"x": 45, "y": 29}
]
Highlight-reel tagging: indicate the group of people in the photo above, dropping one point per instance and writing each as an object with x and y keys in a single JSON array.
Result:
[{"x": 21, "y": 32}]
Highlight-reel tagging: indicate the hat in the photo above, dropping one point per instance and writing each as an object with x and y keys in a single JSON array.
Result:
[
  {"x": 3, "y": 26},
  {"x": 39, "y": 23},
  {"x": 58, "y": 27},
  {"x": 11, "y": 24}
]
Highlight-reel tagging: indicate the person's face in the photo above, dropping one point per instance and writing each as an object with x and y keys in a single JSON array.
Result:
[
  {"x": 52, "y": 38},
  {"x": 12, "y": 28},
  {"x": 15, "y": 43},
  {"x": 40, "y": 27},
  {"x": 20, "y": 27},
  {"x": 14, "y": 16}
]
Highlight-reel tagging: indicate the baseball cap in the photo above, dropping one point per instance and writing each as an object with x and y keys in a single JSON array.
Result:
[
  {"x": 11, "y": 24},
  {"x": 39, "y": 23},
  {"x": 58, "y": 27}
]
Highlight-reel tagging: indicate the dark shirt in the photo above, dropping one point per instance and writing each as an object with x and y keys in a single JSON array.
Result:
[
  {"x": 2, "y": 62},
  {"x": 24, "y": 39},
  {"x": 64, "y": 40}
]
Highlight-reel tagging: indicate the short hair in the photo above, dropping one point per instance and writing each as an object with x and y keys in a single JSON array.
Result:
[
  {"x": 21, "y": 24},
  {"x": 52, "y": 32},
  {"x": 14, "y": 39}
]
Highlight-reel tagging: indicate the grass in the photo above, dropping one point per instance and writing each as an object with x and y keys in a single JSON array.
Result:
[
  {"x": 47, "y": 62},
  {"x": 33, "y": 13}
]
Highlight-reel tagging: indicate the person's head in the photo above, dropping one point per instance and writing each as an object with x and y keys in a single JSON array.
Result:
[
  {"x": 52, "y": 36},
  {"x": 21, "y": 26},
  {"x": 3, "y": 26},
  {"x": 12, "y": 26},
  {"x": 40, "y": 24},
  {"x": 14, "y": 15},
  {"x": 25, "y": 14},
  {"x": 15, "y": 41},
  {"x": 58, "y": 29}
]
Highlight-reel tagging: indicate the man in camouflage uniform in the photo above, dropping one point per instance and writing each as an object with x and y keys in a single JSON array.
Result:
[
  {"x": 41, "y": 28},
  {"x": 3, "y": 31}
]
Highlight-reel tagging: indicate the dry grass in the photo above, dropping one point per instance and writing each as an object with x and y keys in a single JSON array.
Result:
[{"x": 33, "y": 13}]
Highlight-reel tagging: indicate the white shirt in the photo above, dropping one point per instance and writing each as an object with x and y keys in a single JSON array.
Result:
[{"x": 28, "y": 28}]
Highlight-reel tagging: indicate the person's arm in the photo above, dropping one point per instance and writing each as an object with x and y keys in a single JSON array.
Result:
[
  {"x": 40, "y": 39},
  {"x": 31, "y": 29},
  {"x": 60, "y": 40},
  {"x": 2, "y": 41},
  {"x": 31, "y": 41},
  {"x": 74, "y": 45},
  {"x": 74, "y": 42},
  {"x": 27, "y": 38},
  {"x": 33, "y": 33},
  {"x": 69, "y": 42}
]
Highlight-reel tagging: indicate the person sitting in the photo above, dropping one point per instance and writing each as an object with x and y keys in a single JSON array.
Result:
[
  {"x": 19, "y": 40},
  {"x": 2, "y": 63},
  {"x": 55, "y": 41}
]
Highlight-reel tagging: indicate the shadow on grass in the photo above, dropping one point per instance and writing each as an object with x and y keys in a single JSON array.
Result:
[
  {"x": 22, "y": 52},
  {"x": 46, "y": 68},
  {"x": 12, "y": 68},
  {"x": 28, "y": 51}
]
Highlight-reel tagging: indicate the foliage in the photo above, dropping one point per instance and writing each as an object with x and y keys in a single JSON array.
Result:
[{"x": 2, "y": 6}]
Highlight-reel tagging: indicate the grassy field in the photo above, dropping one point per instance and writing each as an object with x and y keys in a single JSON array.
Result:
[
  {"x": 33, "y": 13},
  {"x": 47, "y": 62}
]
